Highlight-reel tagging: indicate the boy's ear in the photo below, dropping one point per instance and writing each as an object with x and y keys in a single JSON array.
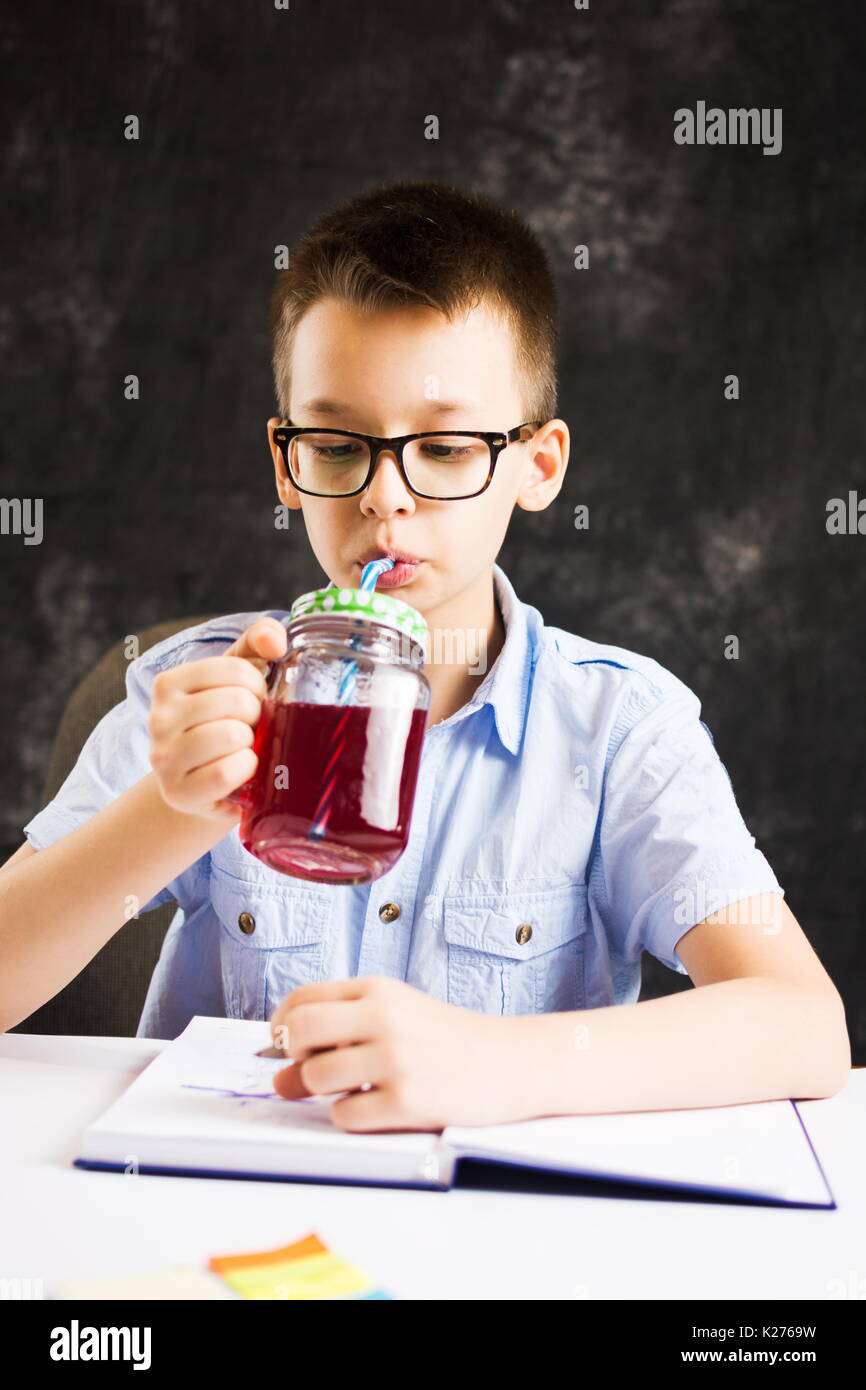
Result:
[
  {"x": 287, "y": 492},
  {"x": 547, "y": 465}
]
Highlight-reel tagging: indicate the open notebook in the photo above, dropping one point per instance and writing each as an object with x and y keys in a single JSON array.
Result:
[{"x": 206, "y": 1106}]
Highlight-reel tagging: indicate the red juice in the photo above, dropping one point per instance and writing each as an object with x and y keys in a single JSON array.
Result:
[{"x": 331, "y": 799}]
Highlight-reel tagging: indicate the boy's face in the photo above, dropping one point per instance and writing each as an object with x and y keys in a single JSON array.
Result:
[{"x": 389, "y": 371}]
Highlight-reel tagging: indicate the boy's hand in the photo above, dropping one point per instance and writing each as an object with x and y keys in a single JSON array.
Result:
[
  {"x": 428, "y": 1064},
  {"x": 201, "y": 722}
]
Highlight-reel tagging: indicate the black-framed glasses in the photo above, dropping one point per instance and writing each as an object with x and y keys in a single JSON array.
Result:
[{"x": 442, "y": 465}]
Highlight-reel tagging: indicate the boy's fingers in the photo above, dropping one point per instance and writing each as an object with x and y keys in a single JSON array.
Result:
[
  {"x": 243, "y": 663},
  {"x": 215, "y": 671}
]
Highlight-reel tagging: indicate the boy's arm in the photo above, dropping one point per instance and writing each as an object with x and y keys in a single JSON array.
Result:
[
  {"x": 765, "y": 1022},
  {"x": 677, "y": 874},
  {"x": 134, "y": 833},
  {"x": 60, "y": 905}
]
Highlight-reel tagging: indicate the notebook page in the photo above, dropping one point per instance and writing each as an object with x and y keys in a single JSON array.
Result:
[
  {"x": 208, "y": 1094},
  {"x": 759, "y": 1149}
]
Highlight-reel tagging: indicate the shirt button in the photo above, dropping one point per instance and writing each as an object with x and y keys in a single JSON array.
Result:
[
  {"x": 246, "y": 923},
  {"x": 523, "y": 933},
  {"x": 389, "y": 912}
]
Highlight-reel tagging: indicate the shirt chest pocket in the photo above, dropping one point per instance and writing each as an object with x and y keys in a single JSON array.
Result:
[
  {"x": 517, "y": 952},
  {"x": 272, "y": 940}
]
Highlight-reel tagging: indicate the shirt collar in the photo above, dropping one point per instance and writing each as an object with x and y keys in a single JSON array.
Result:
[{"x": 506, "y": 686}]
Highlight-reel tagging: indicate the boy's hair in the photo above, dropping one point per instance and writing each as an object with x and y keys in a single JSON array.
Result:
[{"x": 426, "y": 243}]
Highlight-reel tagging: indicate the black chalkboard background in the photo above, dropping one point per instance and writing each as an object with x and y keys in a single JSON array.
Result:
[{"x": 708, "y": 516}]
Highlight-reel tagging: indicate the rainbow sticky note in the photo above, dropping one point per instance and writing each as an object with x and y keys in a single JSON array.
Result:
[{"x": 305, "y": 1270}]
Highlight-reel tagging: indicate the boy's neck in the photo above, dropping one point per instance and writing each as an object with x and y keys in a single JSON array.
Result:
[{"x": 464, "y": 635}]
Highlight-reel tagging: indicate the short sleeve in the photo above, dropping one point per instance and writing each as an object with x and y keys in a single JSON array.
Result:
[
  {"x": 116, "y": 753},
  {"x": 673, "y": 845}
]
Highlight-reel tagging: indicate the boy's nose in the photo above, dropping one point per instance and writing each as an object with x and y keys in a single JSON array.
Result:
[{"x": 387, "y": 487}]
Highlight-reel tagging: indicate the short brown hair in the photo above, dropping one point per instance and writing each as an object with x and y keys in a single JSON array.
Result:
[{"x": 426, "y": 243}]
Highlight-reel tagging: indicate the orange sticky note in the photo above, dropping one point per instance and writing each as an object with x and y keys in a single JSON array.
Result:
[{"x": 309, "y": 1245}]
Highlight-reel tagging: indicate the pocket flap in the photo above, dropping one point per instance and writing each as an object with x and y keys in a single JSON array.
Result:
[
  {"x": 293, "y": 914},
  {"x": 491, "y": 922}
]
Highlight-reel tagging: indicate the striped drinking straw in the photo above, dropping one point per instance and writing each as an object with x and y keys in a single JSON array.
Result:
[{"x": 337, "y": 741}]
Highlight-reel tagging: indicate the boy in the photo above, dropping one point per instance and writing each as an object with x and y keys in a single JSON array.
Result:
[{"x": 571, "y": 810}]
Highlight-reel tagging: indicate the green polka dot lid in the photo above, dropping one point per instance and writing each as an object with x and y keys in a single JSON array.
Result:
[{"x": 363, "y": 603}]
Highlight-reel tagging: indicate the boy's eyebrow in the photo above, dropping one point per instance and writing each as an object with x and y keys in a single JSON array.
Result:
[{"x": 320, "y": 405}]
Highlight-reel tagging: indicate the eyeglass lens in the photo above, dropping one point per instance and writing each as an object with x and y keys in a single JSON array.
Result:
[{"x": 439, "y": 465}]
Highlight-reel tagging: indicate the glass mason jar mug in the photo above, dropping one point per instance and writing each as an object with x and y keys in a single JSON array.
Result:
[{"x": 339, "y": 739}]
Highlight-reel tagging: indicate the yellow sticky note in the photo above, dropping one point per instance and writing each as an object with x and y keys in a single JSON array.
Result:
[
  {"x": 304, "y": 1270},
  {"x": 313, "y": 1276}
]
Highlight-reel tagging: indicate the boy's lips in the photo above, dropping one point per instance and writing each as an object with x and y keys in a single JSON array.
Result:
[
  {"x": 382, "y": 552},
  {"x": 405, "y": 567}
]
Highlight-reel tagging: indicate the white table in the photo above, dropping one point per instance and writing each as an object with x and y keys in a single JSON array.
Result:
[{"x": 59, "y": 1223}]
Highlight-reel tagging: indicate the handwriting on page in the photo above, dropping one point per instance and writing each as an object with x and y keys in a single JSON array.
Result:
[
  {"x": 234, "y": 1073},
  {"x": 220, "y": 1063},
  {"x": 236, "y": 1095}
]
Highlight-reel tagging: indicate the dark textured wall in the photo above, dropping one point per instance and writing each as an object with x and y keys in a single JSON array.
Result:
[{"x": 707, "y": 515}]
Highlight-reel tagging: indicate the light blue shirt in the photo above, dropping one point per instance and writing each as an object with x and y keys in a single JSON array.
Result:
[{"x": 577, "y": 794}]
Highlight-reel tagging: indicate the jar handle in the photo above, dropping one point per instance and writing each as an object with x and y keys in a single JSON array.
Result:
[{"x": 241, "y": 795}]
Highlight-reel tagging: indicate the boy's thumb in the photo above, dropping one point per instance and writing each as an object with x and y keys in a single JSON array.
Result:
[
  {"x": 288, "y": 1084},
  {"x": 263, "y": 641}
]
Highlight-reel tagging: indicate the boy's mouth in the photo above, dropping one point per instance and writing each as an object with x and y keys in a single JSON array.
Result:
[{"x": 405, "y": 566}]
